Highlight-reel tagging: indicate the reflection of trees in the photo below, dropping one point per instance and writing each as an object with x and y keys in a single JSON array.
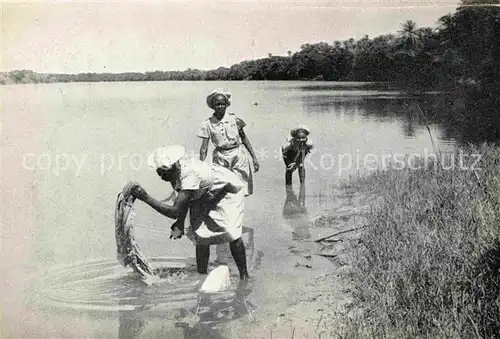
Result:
[
  {"x": 480, "y": 120},
  {"x": 331, "y": 105},
  {"x": 469, "y": 117}
]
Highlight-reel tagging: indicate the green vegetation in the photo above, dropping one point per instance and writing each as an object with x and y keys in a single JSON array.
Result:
[
  {"x": 428, "y": 264},
  {"x": 462, "y": 49}
]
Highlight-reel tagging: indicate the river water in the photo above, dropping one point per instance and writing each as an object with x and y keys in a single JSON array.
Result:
[{"x": 68, "y": 149}]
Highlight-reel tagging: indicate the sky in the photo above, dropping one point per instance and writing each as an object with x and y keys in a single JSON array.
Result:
[{"x": 140, "y": 36}]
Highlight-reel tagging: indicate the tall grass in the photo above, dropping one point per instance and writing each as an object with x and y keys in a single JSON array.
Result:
[{"x": 428, "y": 263}]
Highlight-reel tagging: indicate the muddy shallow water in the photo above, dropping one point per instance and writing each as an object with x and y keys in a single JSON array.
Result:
[{"x": 71, "y": 148}]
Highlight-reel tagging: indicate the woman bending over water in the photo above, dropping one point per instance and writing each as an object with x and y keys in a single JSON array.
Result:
[
  {"x": 225, "y": 130},
  {"x": 294, "y": 151},
  {"x": 214, "y": 197}
]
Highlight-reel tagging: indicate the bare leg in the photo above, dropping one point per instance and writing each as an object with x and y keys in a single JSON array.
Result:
[
  {"x": 288, "y": 178},
  {"x": 302, "y": 174},
  {"x": 202, "y": 257},
  {"x": 288, "y": 173},
  {"x": 238, "y": 251},
  {"x": 302, "y": 195}
]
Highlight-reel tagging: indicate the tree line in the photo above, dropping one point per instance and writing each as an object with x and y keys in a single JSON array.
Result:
[{"x": 463, "y": 48}]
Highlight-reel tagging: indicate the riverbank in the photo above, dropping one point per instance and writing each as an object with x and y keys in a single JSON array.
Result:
[
  {"x": 429, "y": 258},
  {"x": 425, "y": 265}
]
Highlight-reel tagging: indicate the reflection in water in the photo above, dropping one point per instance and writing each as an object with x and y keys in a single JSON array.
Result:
[
  {"x": 350, "y": 86},
  {"x": 215, "y": 310},
  {"x": 295, "y": 213},
  {"x": 131, "y": 324},
  {"x": 464, "y": 118},
  {"x": 208, "y": 319},
  {"x": 478, "y": 120},
  {"x": 104, "y": 287}
]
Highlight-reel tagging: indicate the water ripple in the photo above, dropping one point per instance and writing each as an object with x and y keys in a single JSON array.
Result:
[{"x": 104, "y": 285}]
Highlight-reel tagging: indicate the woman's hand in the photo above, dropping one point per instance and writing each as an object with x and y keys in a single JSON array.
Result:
[
  {"x": 177, "y": 231},
  {"x": 292, "y": 166},
  {"x": 139, "y": 193},
  {"x": 256, "y": 165}
]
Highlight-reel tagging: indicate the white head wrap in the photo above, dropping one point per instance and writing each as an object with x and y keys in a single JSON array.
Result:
[{"x": 166, "y": 156}]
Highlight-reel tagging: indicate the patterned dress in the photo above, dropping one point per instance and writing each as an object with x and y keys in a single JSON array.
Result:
[{"x": 229, "y": 150}]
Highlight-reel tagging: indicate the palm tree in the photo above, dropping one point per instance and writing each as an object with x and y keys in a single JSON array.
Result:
[{"x": 410, "y": 35}]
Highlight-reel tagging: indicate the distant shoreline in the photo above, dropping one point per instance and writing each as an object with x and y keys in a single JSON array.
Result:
[
  {"x": 20, "y": 77},
  {"x": 453, "y": 55}
]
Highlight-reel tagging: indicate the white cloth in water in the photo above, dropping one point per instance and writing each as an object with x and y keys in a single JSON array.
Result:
[
  {"x": 127, "y": 249},
  {"x": 218, "y": 280}
]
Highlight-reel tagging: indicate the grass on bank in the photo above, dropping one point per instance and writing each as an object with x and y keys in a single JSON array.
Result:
[{"x": 428, "y": 263}]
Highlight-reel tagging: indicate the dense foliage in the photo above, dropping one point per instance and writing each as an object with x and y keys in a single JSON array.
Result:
[
  {"x": 428, "y": 265},
  {"x": 462, "y": 49}
]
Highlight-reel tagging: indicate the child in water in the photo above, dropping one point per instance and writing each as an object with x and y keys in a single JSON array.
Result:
[{"x": 294, "y": 151}]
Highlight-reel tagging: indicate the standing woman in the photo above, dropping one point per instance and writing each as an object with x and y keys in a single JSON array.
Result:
[{"x": 225, "y": 130}]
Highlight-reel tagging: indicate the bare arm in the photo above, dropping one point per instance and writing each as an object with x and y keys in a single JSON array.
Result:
[
  {"x": 248, "y": 146},
  {"x": 204, "y": 149},
  {"x": 170, "y": 197},
  {"x": 177, "y": 211},
  {"x": 181, "y": 218},
  {"x": 178, "y": 226}
]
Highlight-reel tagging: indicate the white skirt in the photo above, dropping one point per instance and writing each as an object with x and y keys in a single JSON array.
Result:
[{"x": 218, "y": 221}]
